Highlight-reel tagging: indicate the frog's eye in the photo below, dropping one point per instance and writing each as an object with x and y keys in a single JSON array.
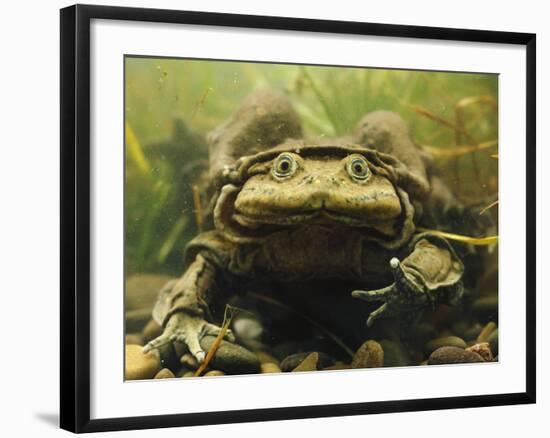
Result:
[
  {"x": 358, "y": 167},
  {"x": 284, "y": 165}
]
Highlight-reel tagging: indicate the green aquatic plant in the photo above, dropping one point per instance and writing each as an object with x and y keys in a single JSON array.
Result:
[{"x": 171, "y": 105}]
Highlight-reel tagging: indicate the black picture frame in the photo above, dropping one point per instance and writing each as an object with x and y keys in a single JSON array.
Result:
[{"x": 75, "y": 216}]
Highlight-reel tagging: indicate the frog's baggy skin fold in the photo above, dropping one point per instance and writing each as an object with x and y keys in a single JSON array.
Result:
[{"x": 315, "y": 217}]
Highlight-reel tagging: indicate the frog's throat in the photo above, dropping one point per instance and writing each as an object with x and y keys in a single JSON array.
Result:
[{"x": 239, "y": 231}]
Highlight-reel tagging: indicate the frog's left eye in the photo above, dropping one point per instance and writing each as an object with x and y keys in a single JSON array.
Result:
[
  {"x": 284, "y": 165},
  {"x": 358, "y": 167}
]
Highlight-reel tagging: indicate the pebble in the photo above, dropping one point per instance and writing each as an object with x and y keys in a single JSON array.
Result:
[
  {"x": 487, "y": 330},
  {"x": 165, "y": 373},
  {"x": 151, "y": 330},
  {"x": 395, "y": 354},
  {"x": 231, "y": 358},
  {"x": 368, "y": 355},
  {"x": 265, "y": 357},
  {"x": 483, "y": 350},
  {"x": 269, "y": 367},
  {"x": 248, "y": 330},
  {"x": 445, "y": 341},
  {"x": 308, "y": 364},
  {"x": 135, "y": 320},
  {"x": 168, "y": 357},
  {"x": 189, "y": 361},
  {"x": 460, "y": 329},
  {"x": 486, "y": 305},
  {"x": 134, "y": 339},
  {"x": 292, "y": 361},
  {"x": 188, "y": 374},
  {"x": 493, "y": 342},
  {"x": 450, "y": 355},
  {"x": 473, "y": 332},
  {"x": 140, "y": 365},
  {"x": 214, "y": 373}
]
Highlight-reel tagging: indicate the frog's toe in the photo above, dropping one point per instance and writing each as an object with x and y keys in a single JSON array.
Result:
[
  {"x": 372, "y": 295},
  {"x": 192, "y": 342},
  {"x": 214, "y": 330},
  {"x": 158, "y": 342},
  {"x": 377, "y": 314}
]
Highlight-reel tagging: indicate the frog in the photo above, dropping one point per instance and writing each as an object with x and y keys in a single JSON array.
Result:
[{"x": 287, "y": 208}]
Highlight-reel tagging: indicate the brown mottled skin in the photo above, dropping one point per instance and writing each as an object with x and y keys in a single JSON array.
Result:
[{"x": 288, "y": 209}]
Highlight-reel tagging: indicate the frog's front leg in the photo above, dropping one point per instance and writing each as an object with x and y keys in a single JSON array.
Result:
[
  {"x": 182, "y": 306},
  {"x": 429, "y": 275}
]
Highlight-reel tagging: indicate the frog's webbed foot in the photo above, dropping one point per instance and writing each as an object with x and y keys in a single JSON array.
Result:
[
  {"x": 189, "y": 330},
  {"x": 405, "y": 295}
]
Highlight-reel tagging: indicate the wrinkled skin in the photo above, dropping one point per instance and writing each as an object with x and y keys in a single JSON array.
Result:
[{"x": 309, "y": 209}]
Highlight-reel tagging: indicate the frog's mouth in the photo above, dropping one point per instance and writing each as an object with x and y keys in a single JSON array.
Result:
[
  {"x": 319, "y": 216},
  {"x": 240, "y": 227}
]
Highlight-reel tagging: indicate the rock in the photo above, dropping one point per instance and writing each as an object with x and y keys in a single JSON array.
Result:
[
  {"x": 493, "y": 342},
  {"x": 292, "y": 361},
  {"x": 395, "y": 354},
  {"x": 135, "y": 320},
  {"x": 214, "y": 373},
  {"x": 265, "y": 357},
  {"x": 151, "y": 331},
  {"x": 168, "y": 358},
  {"x": 450, "y": 355},
  {"x": 460, "y": 329},
  {"x": 142, "y": 291},
  {"x": 134, "y": 339},
  {"x": 248, "y": 330},
  {"x": 231, "y": 358},
  {"x": 446, "y": 341},
  {"x": 188, "y": 374},
  {"x": 483, "y": 350},
  {"x": 368, "y": 355},
  {"x": 486, "y": 305},
  {"x": 165, "y": 373},
  {"x": 473, "y": 332},
  {"x": 189, "y": 361},
  {"x": 487, "y": 330},
  {"x": 139, "y": 365},
  {"x": 310, "y": 363},
  {"x": 269, "y": 367}
]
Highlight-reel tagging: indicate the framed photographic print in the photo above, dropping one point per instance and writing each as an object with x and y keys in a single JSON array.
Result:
[{"x": 312, "y": 218}]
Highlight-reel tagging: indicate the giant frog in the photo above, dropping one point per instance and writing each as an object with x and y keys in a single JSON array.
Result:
[{"x": 287, "y": 209}]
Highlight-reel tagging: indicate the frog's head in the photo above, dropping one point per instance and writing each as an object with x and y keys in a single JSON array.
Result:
[{"x": 341, "y": 186}]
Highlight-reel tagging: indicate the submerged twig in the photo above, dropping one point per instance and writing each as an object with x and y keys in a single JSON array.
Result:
[
  {"x": 491, "y": 205},
  {"x": 214, "y": 347},
  {"x": 457, "y": 151},
  {"x": 477, "y": 241}
]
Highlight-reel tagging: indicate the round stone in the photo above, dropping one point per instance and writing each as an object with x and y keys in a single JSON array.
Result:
[
  {"x": 165, "y": 373},
  {"x": 368, "y": 355},
  {"x": 453, "y": 355},
  {"x": 445, "y": 341},
  {"x": 140, "y": 365},
  {"x": 269, "y": 367}
]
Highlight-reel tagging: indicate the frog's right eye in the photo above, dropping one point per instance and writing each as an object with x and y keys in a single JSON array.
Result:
[{"x": 285, "y": 165}]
